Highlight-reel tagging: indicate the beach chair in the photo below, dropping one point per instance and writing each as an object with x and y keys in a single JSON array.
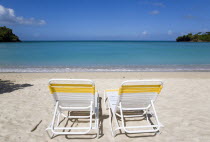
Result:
[
  {"x": 73, "y": 96},
  {"x": 135, "y": 98}
]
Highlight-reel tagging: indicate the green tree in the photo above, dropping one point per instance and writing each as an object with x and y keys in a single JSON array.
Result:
[
  {"x": 208, "y": 33},
  {"x": 199, "y": 33},
  {"x": 199, "y": 37},
  {"x": 6, "y": 35}
]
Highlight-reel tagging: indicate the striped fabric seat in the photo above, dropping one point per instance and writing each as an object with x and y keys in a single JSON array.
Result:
[{"x": 73, "y": 95}]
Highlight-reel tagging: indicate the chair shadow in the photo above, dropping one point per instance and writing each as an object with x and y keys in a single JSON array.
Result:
[
  {"x": 6, "y": 86},
  {"x": 101, "y": 119},
  {"x": 139, "y": 135}
]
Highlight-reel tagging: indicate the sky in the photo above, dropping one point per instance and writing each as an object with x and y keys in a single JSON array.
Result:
[{"x": 104, "y": 19}]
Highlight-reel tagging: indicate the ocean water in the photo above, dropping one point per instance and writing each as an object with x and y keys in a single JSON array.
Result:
[{"x": 65, "y": 56}]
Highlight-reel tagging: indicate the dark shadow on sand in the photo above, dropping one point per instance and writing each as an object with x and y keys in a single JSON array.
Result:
[
  {"x": 6, "y": 86},
  {"x": 101, "y": 118}
]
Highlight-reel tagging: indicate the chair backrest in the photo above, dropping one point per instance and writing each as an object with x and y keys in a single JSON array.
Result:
[
  {"x": 72, "y": 92},
  {"x": 139, "y": 93}
]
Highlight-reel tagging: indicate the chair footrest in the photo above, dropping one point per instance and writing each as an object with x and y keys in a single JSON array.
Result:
[
  {"x": 140, "y": 131},
  {"x": 72, "y": 128},
  {"x": 149, "y": 126}
]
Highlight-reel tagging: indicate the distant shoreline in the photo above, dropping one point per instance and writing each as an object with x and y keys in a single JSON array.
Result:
[
  {"x": 98, "y": 41},
  {"x": 107, "y": 41}
]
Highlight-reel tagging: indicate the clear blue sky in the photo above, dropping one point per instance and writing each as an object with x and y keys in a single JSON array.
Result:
[{"x": 104, "y": 19}]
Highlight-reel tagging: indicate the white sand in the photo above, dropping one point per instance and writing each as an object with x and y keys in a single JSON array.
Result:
[{"x": 183, "y": 107}]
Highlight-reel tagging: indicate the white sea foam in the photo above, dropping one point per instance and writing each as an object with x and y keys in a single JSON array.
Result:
[{"x": 156, "y": 68}]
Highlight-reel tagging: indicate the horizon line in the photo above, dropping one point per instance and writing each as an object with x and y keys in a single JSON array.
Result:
[{"x": 95, "y": 40}]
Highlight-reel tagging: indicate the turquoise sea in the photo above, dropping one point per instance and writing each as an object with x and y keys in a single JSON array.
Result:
[{"x": 65, "y": 56}]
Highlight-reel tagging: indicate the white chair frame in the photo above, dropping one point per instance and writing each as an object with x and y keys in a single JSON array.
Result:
[
  {"x": 54, "y": 126},
  {"x": 146, "y": 112}
]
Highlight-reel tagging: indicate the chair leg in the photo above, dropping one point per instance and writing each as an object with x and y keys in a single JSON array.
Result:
[
  {"x": 48, "y": 132},
  {"x": 156, "y": 117},
  {"x": 97, "y": 129},
  {"x": 53, "y": 121},
  {"x": 110, "y": 122},
  {"x": 97, "y": 118},
  {"x": 58, "y": 120}
]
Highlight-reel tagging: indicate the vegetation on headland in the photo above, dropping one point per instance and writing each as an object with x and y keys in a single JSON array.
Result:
[
  {"x": 199, "y": 37},
  {"x": 6, "y": 35}
]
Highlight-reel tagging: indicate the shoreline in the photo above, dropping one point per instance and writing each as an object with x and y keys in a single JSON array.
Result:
[
  {"x": 111, "y": 68},
  {"x": 110, "y": 75}
]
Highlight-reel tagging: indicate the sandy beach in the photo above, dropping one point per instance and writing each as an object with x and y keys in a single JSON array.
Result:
[{"x": 183, "y": 106}]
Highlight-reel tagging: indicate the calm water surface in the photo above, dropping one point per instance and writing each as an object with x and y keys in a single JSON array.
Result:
[{"x": 104, "y": 54}]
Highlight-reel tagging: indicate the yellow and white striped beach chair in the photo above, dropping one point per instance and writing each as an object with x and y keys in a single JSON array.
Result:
[
  {"x": 74, "y": 95},
  {"x": 135, "y": 98}
]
